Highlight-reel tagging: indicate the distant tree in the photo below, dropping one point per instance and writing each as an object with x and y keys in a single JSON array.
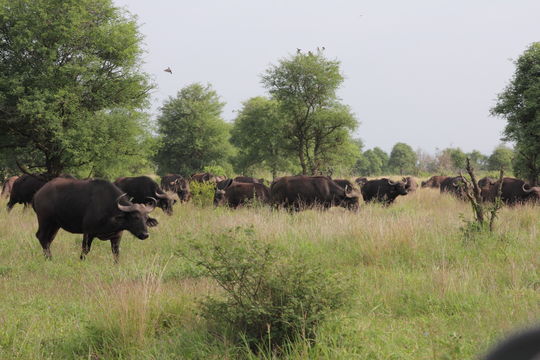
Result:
[
  {"x": 318, "y": 125},
  {"x": 501, "y": 157},
  {"x": 258, "y": 134},
  {"x": 402, "y": 159},
  {"x": 459, "y": 158},
  {"x": 425, "y": 162},
  {"x": 66, "y": 67},
  {"x": 374, "y": 162},
  {"x": 519, "y": 104},
  {"x": 478, "y": 160},
  {"x": 451, "y": 160},
  {"x": 192, "y": 132}
]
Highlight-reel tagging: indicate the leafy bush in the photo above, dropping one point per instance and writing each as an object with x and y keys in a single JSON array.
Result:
[
  {"x": 202, "y": 193},
  {"x": 270, "y": 299}
]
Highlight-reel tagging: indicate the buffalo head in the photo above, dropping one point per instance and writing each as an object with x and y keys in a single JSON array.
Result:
[{"x": 134, "y": 217}]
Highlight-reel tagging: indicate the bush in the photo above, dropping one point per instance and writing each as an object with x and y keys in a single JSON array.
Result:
[
  {"x": 270, "y": 299},
  {"x": 202, "y": 193}
]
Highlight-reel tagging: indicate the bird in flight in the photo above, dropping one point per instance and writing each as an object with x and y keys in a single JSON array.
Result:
[{"x": 168, "y": 69}]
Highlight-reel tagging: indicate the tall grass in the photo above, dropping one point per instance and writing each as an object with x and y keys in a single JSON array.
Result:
[{"x": 421, "y": 289}]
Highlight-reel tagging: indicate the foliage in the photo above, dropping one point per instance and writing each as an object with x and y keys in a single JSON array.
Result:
[
  {"x": 373, "y": 162},
  {"x": 318, "y": 125},
  {"x": 270, "y": 299},
  {"x": 501, "y": 158},
  {"x": 258, "y": 134},
  {"x": 192, "y": 132},
  {"x": 402, "y": 159},
  {"x": 519, "y": 104},
  {"x": 202, "y": 193},
  {"x": 63, "y": 64},
  {"x": 478, "y": 160},
  {"x": 218, "y": 170}
]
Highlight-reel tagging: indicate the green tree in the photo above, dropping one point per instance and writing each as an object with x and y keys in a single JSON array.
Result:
[
  {"x": 519, "y": 104},
  {"x": 478, "y": 160},
  {"x": 318, "y": 126},
  {"x": 402, "y": 159},
  {"x": 192, "y": 132},
  {"x": 373, "y": 162},
  {"x": 65, "y": 65},
  {"x": 501, "y": 157},
  {"x": 258, "y": 134}
]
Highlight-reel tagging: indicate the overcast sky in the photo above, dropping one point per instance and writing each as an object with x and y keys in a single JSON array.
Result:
[{"x": 423, "y": 72}]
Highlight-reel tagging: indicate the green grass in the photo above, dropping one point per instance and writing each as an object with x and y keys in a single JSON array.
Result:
[{"x": 421, "y": 290}]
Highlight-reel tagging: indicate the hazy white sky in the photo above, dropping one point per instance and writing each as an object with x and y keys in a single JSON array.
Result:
[{"x": 423, "y": 72}]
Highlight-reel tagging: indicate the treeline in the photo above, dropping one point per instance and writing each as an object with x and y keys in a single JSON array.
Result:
[{"x": 73, "y": 100}]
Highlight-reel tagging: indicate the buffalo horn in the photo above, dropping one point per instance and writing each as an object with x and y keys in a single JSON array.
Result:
[
  {"x": 125, "y": 208},
  {"x": 161, "y": 196},
  {"x": 149, "y": 207},
  {"x": 525, "y": 190},
  {"x": 390, "y": 182}
]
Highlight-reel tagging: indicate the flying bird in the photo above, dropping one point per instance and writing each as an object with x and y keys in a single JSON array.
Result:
[{"x": 168, "y": 69}]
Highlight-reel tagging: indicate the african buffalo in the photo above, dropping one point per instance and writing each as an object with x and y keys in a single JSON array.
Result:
[
  {"x": 485, "y": 181},
  {"x": 235, "y": 193},
  {"x": 176, "y": 183},
  {"x": 8, "y": 185},
  {"x": 434, "y": 181},
  {"x": 383, "y": 190},
  {"x": 524, "y": 345},
  {"x": 410, "y": 184},
  {"x": 298, "y": 192},
  {"x": 513, "y": 191},
  {"x": 248, "y": 179},
  {"x": 207, "y": 177},
  {"x": 455, "y": 186},
  {"x": 345, "y": 184},
  {"x": 94, "y": 208},
  {"x": 142, "y": 188},
  {"x": 361, "y": 181},
  {"x": 23, "y": 190}
]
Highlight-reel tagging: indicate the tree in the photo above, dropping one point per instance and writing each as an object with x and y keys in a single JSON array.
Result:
[
  {"x": 258, "y": 134},
  {"x": 501, "y": 158},
  {"x": 477, "y": 160},
  {"x": 64, "y": 65},
  {"x": 519, "y": 104},
  {"x": 402, "y": 159},
  {"x": 374, "y": 162},
  {"x": 318, "y": 125},
  {"x": 192, "y": 132},
  {"x": 451, "y": 160}
]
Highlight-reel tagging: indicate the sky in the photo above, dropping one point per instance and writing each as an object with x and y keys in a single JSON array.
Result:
[{"x": 422, "y": 72}]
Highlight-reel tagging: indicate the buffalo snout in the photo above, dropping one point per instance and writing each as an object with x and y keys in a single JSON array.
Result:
[{"x": 143, "y": 235}]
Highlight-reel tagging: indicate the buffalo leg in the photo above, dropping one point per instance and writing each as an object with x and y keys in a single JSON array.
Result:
[
  {"x": 115, "y": 247},
  {"x": 86, "y": 245},
  {"x": 45, "y": 235}
]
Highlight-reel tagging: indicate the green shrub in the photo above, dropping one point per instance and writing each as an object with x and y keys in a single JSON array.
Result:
[
  {"x": 202, "y": 193},
  {"x": 270, "y": 299}
]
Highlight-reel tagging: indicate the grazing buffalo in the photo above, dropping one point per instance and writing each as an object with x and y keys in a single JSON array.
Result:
[
  {"x": 23, "y": 190},
  {"x": 142, "y": 189},
  {"x": 207, "y": 177},
  {"x": 485, "y": 181},
  {"x": 434, "y": 181},
  {"x": 179, "y": 185},
  {"x": 248, "y": 179},
  {"x": 521, "y": 346},
  {"x": 383, "y": 190},
  {"x": 455, "y": 186},
  {"x": 94, "y": 208},
  {"x": 235, "y": 193},
  {"x": 361, "y": 181},
  {"x": 8, "y": 185},
  {"x": 410, "y": 184},
  {"x": 345, "y": 184},
  {"x": 513, "y": 191},
  {"x": 297, "y": 192}
]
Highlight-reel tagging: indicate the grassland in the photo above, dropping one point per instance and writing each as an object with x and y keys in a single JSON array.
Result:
[{"x": 422, "y": 289}]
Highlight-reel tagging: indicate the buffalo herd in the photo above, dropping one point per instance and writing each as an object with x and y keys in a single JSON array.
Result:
[{"x": 100, "y": 209}]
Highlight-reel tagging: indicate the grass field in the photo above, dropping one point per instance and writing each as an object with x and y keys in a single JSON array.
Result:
[{"x": 421, "y": 288}]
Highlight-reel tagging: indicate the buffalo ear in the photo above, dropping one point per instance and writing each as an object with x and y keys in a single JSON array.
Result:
[{"x": 151, "y": 222}]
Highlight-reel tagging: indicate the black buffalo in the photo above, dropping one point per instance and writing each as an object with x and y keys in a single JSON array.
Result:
[
  {"x": 361, "y": 181},
  {"x": 524, "y": 345},
  {"x": 94, "y": 208},
  {"x": 383, "y": 190},
  {"x": 513, "y": 191},
  {"x": 207, "y": 177},
  {"x": 434, "y": 181},
  {"x": 176, "y": 183},
  {"x": 142, "y": 189},
  {"x": 345, "y": 184},
  {"x": 455, "y": 186},
  {"x": 298, "y": 192},
  {"x": 23, "y": 190},
  {"x": 248, "y": 179},
  {"x": 235, "y": 193}
]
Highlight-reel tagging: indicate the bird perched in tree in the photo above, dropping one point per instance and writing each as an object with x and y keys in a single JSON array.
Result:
[{"x": 168, "y": 69}]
